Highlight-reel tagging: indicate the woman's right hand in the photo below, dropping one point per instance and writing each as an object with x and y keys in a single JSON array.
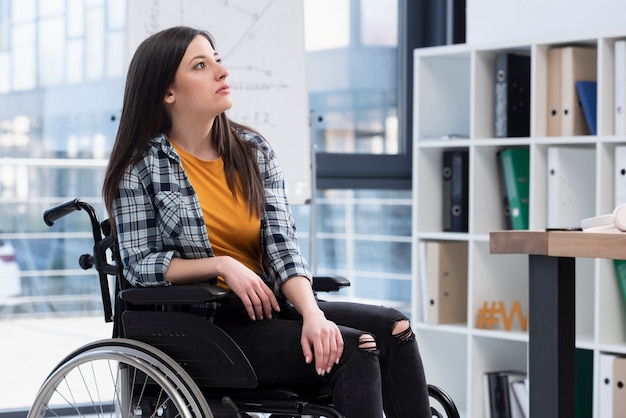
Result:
[{"x": 258, "y": 299}]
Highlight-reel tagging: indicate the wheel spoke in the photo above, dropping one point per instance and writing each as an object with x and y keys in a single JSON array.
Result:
[
  {"x": 88, "y": 389},
  {"x": 115, "y": 382},
  {"x": 99, "y": 404}
]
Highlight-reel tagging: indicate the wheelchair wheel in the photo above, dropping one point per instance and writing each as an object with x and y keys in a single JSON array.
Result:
[
  {"x": 119, "y": 378},
  {"x": 441, "y": 404}
]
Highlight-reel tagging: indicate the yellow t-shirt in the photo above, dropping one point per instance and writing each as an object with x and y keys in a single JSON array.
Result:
[{"x": 231, "y": 229}]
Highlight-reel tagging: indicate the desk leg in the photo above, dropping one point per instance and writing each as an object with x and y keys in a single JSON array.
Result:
[{"x": 552, "y": 336}]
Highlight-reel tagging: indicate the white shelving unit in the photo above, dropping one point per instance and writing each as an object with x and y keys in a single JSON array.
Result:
[{"x": 454, "y": 94}]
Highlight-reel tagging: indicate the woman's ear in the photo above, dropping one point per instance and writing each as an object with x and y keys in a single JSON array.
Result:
[{"x": 169, "y": 96}]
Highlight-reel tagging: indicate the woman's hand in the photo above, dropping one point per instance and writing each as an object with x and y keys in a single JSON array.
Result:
[
  {"x": 321, "y": 339},
  {"x": 258, "y": 299}
]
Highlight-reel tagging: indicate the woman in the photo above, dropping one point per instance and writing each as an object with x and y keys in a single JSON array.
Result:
[{"x": 198, "y": 198}]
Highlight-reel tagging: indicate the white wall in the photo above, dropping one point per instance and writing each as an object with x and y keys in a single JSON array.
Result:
[{"x": 493, "y": 21}]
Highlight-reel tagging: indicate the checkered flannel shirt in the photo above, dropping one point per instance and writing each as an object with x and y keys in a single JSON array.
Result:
[{"x": 158, "y": 216}]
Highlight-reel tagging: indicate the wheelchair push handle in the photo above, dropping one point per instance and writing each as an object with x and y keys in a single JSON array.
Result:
[
  {"x": 98, "y": 258},
  {"x": 50, "y": 216},
  {"x": 55, "y": 213}
]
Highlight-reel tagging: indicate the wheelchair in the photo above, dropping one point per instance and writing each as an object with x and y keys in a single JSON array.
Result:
[{"x": 164, "y": 362}]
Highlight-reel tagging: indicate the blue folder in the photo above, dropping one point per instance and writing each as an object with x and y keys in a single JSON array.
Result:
[{"x": 588, "y": 93}]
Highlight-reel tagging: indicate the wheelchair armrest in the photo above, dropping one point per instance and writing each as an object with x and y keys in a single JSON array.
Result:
[
  {"x": 329, "y": 283},
  {"x": 182, "y": 294},
  {"x": 197, "y": 294}
]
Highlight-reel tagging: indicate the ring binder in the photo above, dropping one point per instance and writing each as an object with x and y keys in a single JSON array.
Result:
[{"x": 455, "y": 190}]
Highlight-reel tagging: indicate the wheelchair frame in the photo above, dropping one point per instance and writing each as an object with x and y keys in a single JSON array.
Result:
[{"x": 163, "y": 362}]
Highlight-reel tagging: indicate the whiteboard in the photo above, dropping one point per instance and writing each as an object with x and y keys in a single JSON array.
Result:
[{"x": 261, "y": 43}]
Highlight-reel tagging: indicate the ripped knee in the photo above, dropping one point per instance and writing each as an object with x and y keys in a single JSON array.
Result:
[
  {"x": 402, "y": 331},
  {"x": 367, "y": 342}
]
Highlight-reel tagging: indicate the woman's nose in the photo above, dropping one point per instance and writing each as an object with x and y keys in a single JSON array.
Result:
[{"x": 223, "y": 72}]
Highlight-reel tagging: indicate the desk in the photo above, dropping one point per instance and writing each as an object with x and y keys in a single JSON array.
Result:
[{"x": 551, "y": 307}]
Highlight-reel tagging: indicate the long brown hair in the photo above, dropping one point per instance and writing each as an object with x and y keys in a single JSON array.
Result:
[{"x": 150, "y": 74}]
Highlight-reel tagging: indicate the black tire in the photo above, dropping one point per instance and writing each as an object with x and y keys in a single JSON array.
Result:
[{"x": 441, "y": 404}]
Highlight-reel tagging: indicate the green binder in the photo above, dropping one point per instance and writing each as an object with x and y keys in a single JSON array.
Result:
[
  {"x": 515, "y": 172},
  {"x": 620, "y": 272}
]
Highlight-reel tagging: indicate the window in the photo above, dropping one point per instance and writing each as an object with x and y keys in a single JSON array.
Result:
[
  {"x": 365, "y": 236},
  {"x": 62, "y": 74},
  {"x": 359, "y": 71},
  {"x": 352, "y": 75},
  {"x": 362, "y": 221}
]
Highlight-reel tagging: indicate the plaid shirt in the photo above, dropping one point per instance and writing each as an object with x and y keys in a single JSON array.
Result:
[{"x": 158, "y": 216}]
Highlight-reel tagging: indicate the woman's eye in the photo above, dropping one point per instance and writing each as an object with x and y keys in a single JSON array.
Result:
[
  {"x": 219, "y": 60},
  {"x": 200, "y": 65}
]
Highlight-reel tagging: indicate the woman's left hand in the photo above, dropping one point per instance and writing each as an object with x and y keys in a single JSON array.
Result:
[{"x": 322, "y": 340}]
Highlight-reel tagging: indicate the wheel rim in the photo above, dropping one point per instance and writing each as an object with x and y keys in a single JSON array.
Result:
[{"x": 119, "y": 378}]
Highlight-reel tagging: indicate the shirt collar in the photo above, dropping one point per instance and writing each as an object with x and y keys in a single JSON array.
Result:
[{"x": 166, "y": 146}]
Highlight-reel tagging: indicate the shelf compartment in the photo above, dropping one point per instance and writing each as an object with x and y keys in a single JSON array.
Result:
[
  {"x": 496, "y": 278},
  {"x": 442, "y": 96},
  {"x": 490, "y": 355},
  {"x": 445, "y": 362}
]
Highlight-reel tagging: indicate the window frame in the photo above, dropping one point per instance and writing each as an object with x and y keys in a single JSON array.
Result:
[{"x": 420, "y": 23}]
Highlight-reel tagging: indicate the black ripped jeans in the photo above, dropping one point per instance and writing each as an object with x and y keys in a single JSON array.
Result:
[{"x": 363, "y": 383}]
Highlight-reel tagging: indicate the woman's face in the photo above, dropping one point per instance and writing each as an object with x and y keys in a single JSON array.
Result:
[{"x": 200, "y": 86}]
